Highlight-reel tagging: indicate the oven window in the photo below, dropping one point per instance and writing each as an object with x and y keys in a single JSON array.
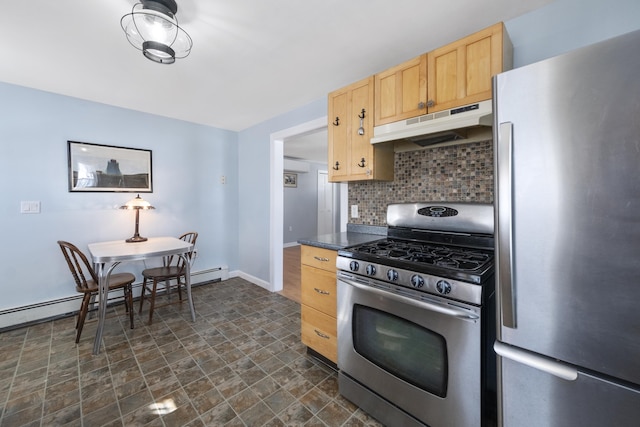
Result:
[{"x": 407, "y": 350}]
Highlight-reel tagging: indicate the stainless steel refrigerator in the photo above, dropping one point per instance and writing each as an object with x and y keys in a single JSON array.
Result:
[{"x": 567, "y": 157}]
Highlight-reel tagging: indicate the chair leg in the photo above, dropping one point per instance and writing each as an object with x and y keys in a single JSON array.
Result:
[
  {"x": 128, "y": 295},
  {"x": 153, "y": 299},
  {"x": 84, "y": 307},
  {"x": 144, "y": 288}
]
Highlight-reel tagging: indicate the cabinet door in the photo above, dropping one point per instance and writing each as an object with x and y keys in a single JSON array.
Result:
[
  {"x": 324, "y": 259},
  {"x": 401, "y": 91},
  {"x": 460, "y": 73},
  {"x": 319, "y": 331},
  {"x": 318, "y": 289},
  {"x": 337, "y": 135},
  {"x": 361, "y": 152}
]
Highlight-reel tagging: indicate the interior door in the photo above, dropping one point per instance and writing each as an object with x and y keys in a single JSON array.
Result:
[{"x": 326, "y": 223}]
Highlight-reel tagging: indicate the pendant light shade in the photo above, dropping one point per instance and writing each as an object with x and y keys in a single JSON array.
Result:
[{"x": 153, "y": 28}]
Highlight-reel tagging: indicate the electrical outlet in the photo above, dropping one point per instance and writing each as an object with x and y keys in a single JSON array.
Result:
[
  {"x": 354, "y": 211},
  {"x": 223, "y": 179},
  {"x": 290, "y": 228}
]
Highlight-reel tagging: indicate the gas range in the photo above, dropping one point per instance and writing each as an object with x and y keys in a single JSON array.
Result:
[{"x": 445, "y": 250}]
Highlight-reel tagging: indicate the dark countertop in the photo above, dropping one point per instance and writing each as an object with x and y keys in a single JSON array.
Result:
[{"x": 355, "y": 235}]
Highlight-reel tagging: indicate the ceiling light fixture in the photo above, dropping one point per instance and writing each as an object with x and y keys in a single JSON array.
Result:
[{"x": 152, "y": 27}]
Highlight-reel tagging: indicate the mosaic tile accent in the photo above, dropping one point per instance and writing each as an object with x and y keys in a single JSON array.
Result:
[{"x": 457, "y": 173}]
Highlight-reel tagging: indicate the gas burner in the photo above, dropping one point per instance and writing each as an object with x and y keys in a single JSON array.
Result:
[{"x": 454, "y": 258}]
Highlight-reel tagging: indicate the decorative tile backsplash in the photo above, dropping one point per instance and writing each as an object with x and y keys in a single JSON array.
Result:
[{"x": 457, "y": 173}]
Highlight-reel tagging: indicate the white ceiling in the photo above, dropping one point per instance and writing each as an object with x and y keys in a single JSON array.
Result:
[{"x": 251, "y": 60}]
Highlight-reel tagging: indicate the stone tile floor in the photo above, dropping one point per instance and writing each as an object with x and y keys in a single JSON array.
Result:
[{"x": 240, "y": 364}]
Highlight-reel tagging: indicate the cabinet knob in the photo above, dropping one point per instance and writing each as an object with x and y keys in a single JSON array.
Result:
[
  {"x": 362, "y": 163},
  {"x": 337, "y": 166},
  {"x": 336, "y": 121},
  {"x": 421, "y": 105},
  {"x": 431, "y": 103}
]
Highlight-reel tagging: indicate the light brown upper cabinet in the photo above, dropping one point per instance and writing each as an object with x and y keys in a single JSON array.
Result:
[
  {"x": 350, "y": 128},
  {"x": 401, "y": 91},
  {"x": 451, "y": 76},
  {"x": 460, "y": 73}
]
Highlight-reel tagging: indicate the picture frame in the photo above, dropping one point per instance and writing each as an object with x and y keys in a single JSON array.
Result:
[
  {"x": 290, "y": 179},
  {"x": 108, "y": 168}
]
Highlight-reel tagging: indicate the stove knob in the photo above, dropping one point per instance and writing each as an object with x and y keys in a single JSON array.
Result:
[
  {"x": 417, "y": 281},
  {"x": 392, "y": 275},
  {"x": 443, "y": 287},
  {"x": 371, "y": 270},
  {"x": 354, "y": 266}
]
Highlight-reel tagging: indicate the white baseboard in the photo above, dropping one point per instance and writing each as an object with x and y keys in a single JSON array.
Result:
[{"x": 256, "y": 281}]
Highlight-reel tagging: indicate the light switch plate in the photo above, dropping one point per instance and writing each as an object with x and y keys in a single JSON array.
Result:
[
  {"x": 31, "y": 207},
  {"x": 354, "y": 211}
]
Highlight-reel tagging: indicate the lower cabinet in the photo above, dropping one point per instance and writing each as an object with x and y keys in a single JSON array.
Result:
[
  {"x": 318, "y": 298},
  {"x": 319, "y": 332}
]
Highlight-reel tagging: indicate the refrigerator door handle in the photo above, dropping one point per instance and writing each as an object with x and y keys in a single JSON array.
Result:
[
  {"x": 533, "y": 360},
  {"x": 504, "y": 224}
]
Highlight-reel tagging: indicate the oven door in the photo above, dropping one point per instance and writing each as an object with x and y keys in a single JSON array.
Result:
[{"x": 422, "y": 355}]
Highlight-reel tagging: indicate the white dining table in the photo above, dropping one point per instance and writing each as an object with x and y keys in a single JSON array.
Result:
[{"x": 108, "y": 255}]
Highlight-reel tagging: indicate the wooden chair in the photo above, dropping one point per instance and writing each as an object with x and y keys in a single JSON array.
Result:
[
  {"x": 172, "y": 269},
  {"x": 86, "y": 281}
]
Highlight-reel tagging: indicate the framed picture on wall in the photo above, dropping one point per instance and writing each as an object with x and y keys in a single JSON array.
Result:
[
  {"x": 107, "y": 168},
  {"x": 290, "y": 179}
]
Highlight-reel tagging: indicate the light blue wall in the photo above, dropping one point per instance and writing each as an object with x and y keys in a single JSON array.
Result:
[
  {"x": 255, "y": 173},
  {"x": 565, "y": 25},
  {"x": 188, "y": 160},
  {"x": 301, "y": 205}
]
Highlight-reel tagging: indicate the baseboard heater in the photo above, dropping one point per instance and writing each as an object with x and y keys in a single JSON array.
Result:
[{"x": 19, "y": 317}]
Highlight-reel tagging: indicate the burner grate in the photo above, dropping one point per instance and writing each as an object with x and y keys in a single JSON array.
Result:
[{"x": 451, "y": 257}]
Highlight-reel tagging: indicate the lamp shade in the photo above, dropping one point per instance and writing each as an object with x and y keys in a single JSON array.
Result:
[
  {"x": 137, "y": 203},
  {"x": 153, "y": 28}
]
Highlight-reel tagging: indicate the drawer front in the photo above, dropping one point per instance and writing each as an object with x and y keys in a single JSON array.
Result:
[
  {"x": 318, "y": 257},
  {"x": 319, "y": 332},
  {"x": 319, "y": 289}
]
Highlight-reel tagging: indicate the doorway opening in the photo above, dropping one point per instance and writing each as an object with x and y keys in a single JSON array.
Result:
[{"x": 277, "y": 196}]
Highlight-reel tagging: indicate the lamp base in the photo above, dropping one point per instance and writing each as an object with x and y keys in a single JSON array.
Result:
[{"x": 136, "y": 239}]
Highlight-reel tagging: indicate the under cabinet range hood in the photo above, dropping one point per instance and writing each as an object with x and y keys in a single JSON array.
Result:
[{"x": 438, "y": 127}]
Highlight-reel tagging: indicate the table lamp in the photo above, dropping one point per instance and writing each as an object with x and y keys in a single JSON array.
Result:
[{"x": 137, "y": 203}]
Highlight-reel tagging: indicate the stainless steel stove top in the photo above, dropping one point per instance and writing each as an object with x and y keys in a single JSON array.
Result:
[{"x": 443, "y": 249}]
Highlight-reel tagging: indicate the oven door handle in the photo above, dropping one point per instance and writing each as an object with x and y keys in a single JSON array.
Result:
[{"x": 434, "y": 306}]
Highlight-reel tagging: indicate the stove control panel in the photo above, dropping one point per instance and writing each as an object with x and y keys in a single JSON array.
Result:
[{"x": 420, "y": 281}]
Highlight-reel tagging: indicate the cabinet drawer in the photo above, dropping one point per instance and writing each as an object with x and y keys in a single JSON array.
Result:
[
  {"x": 319, "y": 289},
  {"x": 318, "y": 257},
  {"x": 319, "y": 331}
]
